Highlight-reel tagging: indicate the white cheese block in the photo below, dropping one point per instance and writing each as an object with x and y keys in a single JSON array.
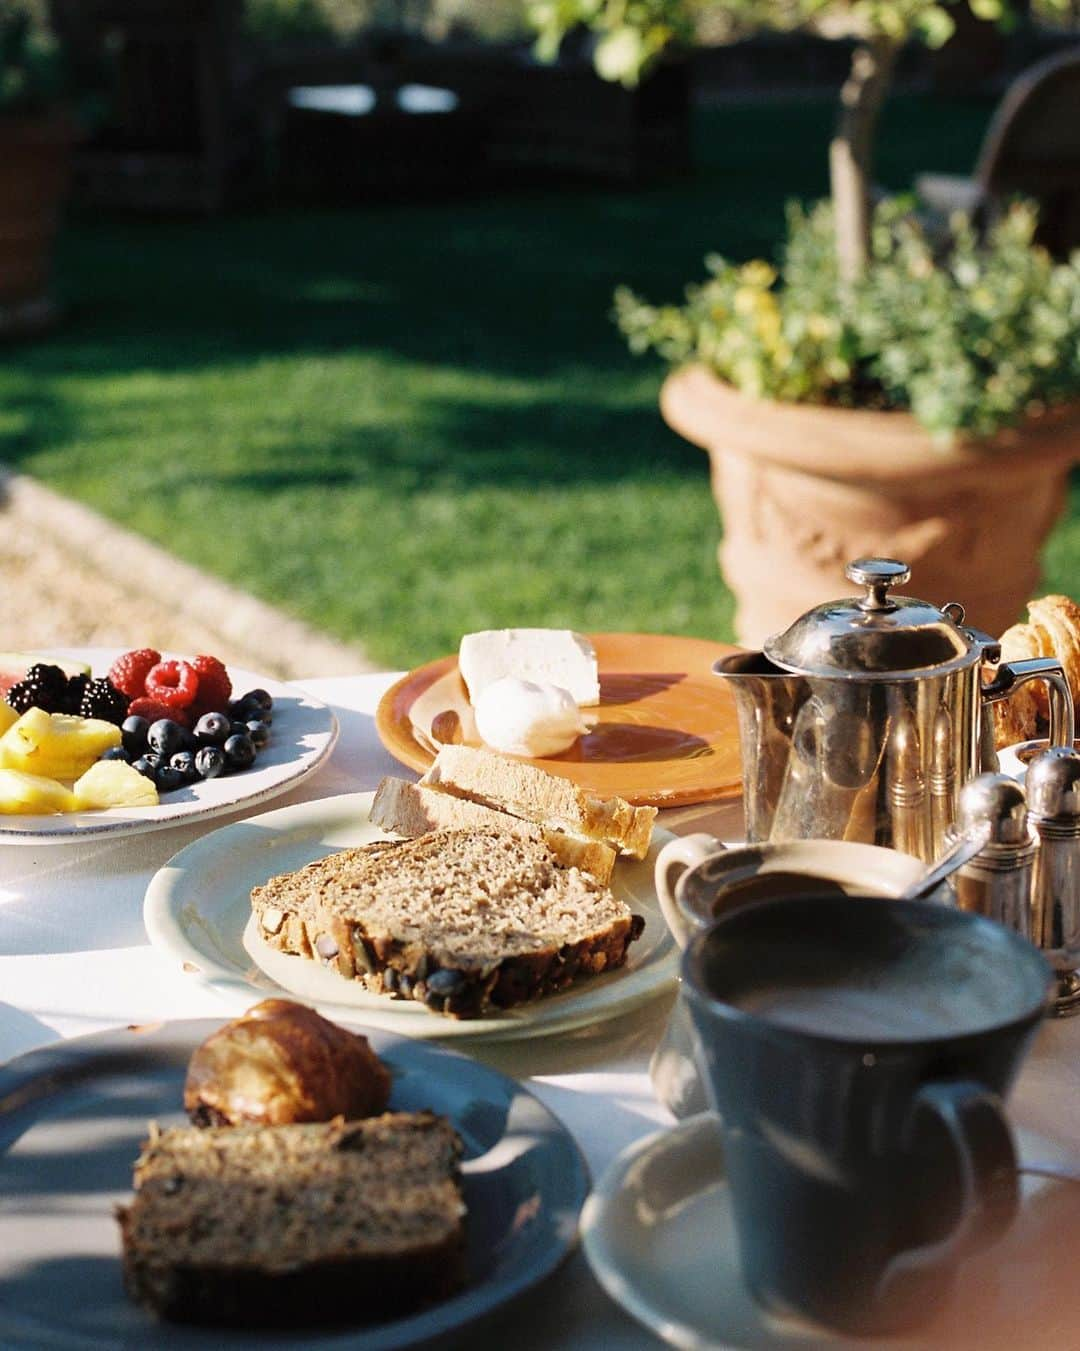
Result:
[{"x": 546, "y": 656}]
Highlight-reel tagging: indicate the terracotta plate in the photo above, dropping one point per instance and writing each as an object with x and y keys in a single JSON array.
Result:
[{"x": 665, "y": 733}]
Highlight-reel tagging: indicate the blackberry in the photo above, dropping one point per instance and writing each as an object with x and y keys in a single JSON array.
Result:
[
  {"x": 101, "y": 699},
  {"x": 50, "y": 676},
  {"x": 71, "y": 698},
  {"x": 38, "y": 689}
]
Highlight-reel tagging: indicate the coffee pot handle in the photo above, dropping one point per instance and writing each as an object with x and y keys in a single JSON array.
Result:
[
  {"x": 677, "y": 857},
  {"x": 966, "y": 1180},
  {"x": 1010, "y": 675}
]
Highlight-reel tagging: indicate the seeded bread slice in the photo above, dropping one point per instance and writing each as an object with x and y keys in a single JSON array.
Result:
[
  {"x": 413, "y": 809},
  {"x": 525, "y": 790},
  {"x": 301, "y": 1224},
  {"x": 464, "y": 921}
]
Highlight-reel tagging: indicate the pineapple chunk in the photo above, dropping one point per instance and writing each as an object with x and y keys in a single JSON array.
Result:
[
  {"x": 55, "y": 745},
  {"x": 8, "y": 717},
  {"x": 32, "y": 795},
  {"x": 112, "y": 783}
]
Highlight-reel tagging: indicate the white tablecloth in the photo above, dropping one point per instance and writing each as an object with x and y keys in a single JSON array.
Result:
[{"x": 74, "y": 958}]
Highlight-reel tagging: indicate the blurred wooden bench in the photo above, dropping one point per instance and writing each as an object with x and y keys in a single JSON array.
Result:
[
  {"x": 1031, "y": 149},
  {"x": 173, "y": 134}
]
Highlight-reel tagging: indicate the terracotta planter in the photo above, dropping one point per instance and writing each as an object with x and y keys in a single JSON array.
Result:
[
  {"x": 35, "y": 160},
  {"x": 803, "y": 489}
]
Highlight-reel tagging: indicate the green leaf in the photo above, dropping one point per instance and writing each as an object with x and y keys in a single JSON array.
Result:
[
  {"x": 621, "y": 55},
  {"x": 936, "y": 26}
]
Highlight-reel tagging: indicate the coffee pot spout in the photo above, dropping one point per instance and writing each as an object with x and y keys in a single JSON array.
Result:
[{"x": 767, "y": 703}]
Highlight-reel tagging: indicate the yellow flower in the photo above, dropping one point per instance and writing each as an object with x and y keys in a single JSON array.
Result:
[
  {"x": 757, "y": 273},
  {"x": 746, "y": 300},
  {"x": 819, "y": 327},
  {"x": 767, "y": 324}
]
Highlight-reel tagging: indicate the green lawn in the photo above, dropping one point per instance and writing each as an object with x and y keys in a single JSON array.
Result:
[{"x": 406, "y": 421}]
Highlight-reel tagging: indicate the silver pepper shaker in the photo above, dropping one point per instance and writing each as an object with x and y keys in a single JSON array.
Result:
[
  {"x": 997, "y": 881},
  {"x": 1053, "y": 794}
]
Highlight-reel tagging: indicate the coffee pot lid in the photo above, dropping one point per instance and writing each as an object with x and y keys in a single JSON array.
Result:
[{"x": 875, "y": 634}]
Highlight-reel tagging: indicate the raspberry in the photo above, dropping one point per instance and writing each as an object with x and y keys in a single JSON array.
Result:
[
  {"x": 215, "y": 687},
  {"x": 128, "y": 673},
  {"x": 153, "y": 709},
  {"x": 173, "y": 683}
]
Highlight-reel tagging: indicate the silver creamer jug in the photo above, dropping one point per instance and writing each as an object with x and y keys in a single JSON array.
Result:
[{"x": 865, "y": 718}]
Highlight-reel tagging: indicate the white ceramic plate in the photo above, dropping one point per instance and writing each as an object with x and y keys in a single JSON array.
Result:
[
  {"x": 302, "y": 736},
  {"x": 659, "y": 1234},
  {"x": 72, "y": 1117},
  {"x": 1014, "y": 760},
  {"x": 198, "y": 913}
]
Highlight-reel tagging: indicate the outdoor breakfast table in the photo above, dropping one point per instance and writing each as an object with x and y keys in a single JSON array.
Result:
[{"x": 74, "y": 959}]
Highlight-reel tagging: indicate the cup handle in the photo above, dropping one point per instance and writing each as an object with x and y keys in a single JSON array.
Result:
[
  {"x": 677, "y": 857},
  {"x": 958, "y": 1135}
]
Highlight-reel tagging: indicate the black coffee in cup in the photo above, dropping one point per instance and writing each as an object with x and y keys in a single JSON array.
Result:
[{"x": 857, "y": 1053}]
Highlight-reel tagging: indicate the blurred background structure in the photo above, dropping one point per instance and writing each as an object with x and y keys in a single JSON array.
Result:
[{"x": 330, "y": 314}]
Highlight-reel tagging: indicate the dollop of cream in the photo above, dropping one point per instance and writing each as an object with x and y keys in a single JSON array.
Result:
[{"x": 526, "y": 717}]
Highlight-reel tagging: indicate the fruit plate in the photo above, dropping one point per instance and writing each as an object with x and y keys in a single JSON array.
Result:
[
  {"x": 665, "y": 732},
  {"x": 303, "y": 735},
  {"x": 72, "y": 1118},
  {"x": 198, "y": 914}
]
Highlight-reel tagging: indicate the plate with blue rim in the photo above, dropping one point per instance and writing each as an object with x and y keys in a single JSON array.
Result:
[{"x": 73, "y": 1116}]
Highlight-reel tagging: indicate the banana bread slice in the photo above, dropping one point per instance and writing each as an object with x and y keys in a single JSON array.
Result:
[
  {"x": 291, "y": 1225},
  {"x": 462, "y": 920}
]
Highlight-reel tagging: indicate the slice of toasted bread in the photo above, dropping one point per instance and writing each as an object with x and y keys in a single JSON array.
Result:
[
  {"x": 462, "y": 920},
  {"x": 525, "y": 790},
  {"x": 413, "y": 809}
]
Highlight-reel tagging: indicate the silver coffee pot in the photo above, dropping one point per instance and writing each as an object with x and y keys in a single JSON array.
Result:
[{"x": 865, "y": 718}]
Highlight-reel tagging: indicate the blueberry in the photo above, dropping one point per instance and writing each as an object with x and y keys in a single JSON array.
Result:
[
  {"x": 259, "y": 733},
  {"x": 168, "y": 778},
  {"x": 209, "y": 762},
  {"x": 239, "y": 752},
  {"x": 212, "y": 729},
  {"x": 145, "y": 768},
  {"x": 249, "y": 709},
  {"x": 133, "y": 731},
  {"x": 167, "y": 737},
  {"x": 237, "y": 728},
  {"x": 116, "y": 753},
  {"x": 184, "y": 761},
  {"x": 258, "y": 699}
]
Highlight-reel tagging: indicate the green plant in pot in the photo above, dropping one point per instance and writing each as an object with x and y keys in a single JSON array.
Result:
[
  {"x": 894, "y": 385},
  {"x": 37, "y": 132}
]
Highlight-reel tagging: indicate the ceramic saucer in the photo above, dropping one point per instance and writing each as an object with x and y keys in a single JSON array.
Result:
[{"x": 659, "y": 1233}]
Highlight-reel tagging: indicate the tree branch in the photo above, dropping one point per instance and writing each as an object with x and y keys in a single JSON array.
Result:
[{"x": 851, "y": 151}]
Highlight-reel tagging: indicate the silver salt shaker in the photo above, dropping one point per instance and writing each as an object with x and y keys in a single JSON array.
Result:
[
  {"x": 1053, "y": 795},
  {"x": 997, "y": 881}
]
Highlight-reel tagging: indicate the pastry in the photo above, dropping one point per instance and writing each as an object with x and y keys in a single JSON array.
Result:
[{"x": 283, "y": 1062}]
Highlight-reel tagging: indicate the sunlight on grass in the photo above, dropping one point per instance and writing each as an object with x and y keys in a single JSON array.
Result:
[{"x": 401, "y": 422}]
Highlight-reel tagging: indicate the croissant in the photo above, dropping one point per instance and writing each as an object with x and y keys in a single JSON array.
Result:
[
  {"x": 1052, "y": 630},
  {"x": 282, "y": 1062}
]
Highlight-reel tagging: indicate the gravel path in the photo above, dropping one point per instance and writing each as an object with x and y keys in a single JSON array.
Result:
[{"x": 68, "y": 578}]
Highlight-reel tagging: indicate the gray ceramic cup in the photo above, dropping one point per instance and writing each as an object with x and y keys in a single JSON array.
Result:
[
  {"x": 858, "y": 1055},
  {"x": 698, "y": 879}
]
